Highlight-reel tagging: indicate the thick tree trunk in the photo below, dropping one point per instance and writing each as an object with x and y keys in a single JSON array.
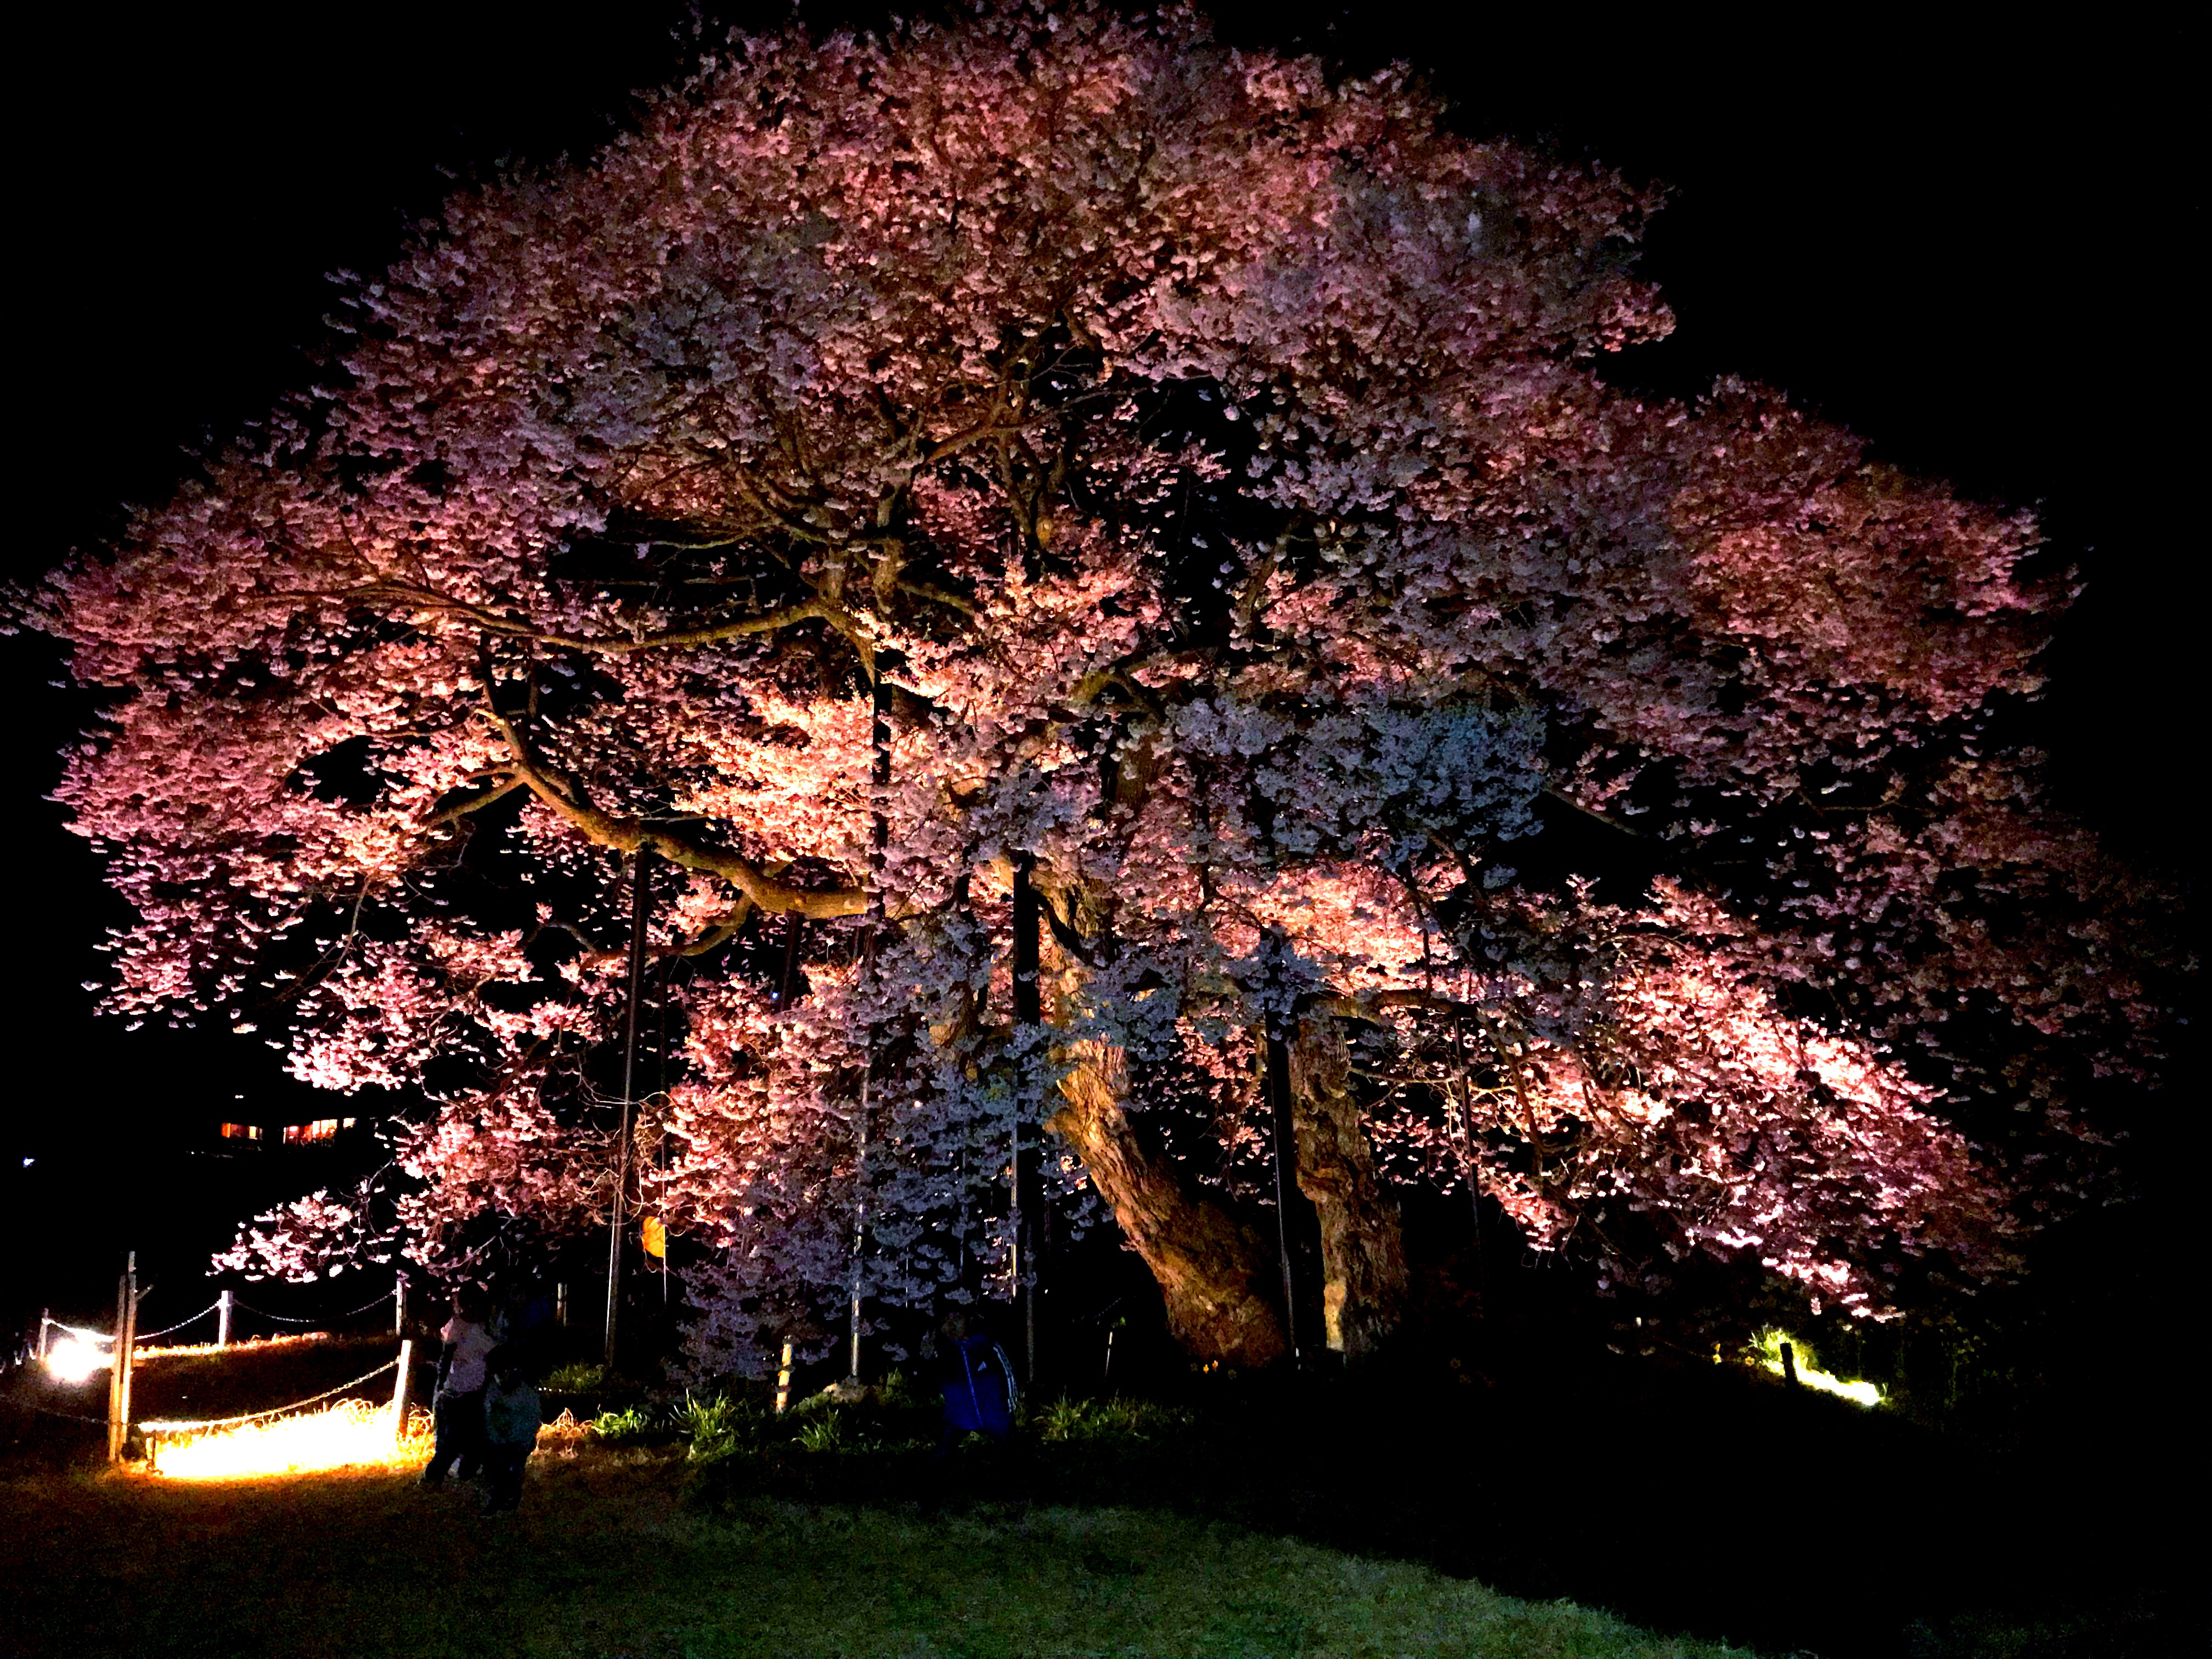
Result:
[
  {"x": 1217, "y": 1275},
  {"x": 1362, "y": 1248}
]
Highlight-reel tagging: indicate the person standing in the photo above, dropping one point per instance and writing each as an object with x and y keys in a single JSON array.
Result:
[
  {"x": 977, "y": 1381},
  {"x": 512, "y": 1414},
  {"x": 458, "y": 1408}
]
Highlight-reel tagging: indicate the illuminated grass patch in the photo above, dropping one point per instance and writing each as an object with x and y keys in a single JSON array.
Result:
[
  {"x": 347, "y": 1434},
  {"x": 1766, "y": 1354}
]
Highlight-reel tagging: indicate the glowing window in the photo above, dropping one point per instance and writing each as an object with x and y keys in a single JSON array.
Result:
[
  {"x": 241, "y": 1132},
  {"x": 321, "y": 1129}
]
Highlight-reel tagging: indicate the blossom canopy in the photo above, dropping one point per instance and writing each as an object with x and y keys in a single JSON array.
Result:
[{"x": 1051, "y": 470}]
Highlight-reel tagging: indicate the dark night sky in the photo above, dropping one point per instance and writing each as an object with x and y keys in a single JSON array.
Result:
[{"x": 1971, "y": 248}]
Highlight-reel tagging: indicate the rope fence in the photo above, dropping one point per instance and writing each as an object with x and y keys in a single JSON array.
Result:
[
  {"x": 295, "y": 1435},
  {"x": 169, "y": 1426},
  {"x": 107, "y": 1338},
  {"x": 148, "y": 1336},
  {"x": 282, "y": 1319},
  {"x": 287, "y": 1319},
  {"x": 48, "y": 1410}
]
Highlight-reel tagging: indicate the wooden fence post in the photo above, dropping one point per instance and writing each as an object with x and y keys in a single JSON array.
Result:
[
  {"x": 130, "y": 1345},
  {"x": 223, "y": 1304},
  {"x": 114, "y": 1365},
  {"x": 399, "y": 1388},
  {"x": 45, "y": 1324},
  {"x": 783, "y": 1380},
  {"x": 118, "y": 1358},
  {"x": 399, "y": 1307}
]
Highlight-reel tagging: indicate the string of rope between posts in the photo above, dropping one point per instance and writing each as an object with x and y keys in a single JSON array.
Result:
[
  {"x": 148, "y": 1336},
  {"x": 287, "y": 1319},
  {"x": 171, "y": 1426},
  {"x": 45, "y": 1411}
]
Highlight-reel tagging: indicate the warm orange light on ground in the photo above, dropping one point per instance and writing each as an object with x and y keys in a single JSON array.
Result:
[{"x": 349, "y": 1434}]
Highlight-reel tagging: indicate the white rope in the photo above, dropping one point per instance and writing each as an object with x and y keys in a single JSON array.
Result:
[
  {"x": 66, "y": 1417},
  {"x": 168, "y": 1426},
  {"x": 79, "y": 1330},
  {"x": 282, "y": 1319},
  {"x": 148, "y": 1336},
  {"x": 366, "y": 1306}
]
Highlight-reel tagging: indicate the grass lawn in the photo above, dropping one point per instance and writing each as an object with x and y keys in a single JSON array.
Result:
[{"x": 605, "y": 1561}]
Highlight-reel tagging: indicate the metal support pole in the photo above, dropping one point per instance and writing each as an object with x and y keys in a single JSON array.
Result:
[
  {"x": 860, "y": 1213},
  {"x": 1029, "y": 1015},
  {"x": 223, "y": 1306},
  {"x": 561, "y": 1305},
  {"x": 1286, "y": 1164},
  {"x": 399, "y": 1305},
  {"x": 879, "y": 836},
  {"x": 795, "y": 929},
  {"x": 637, "y": 906}
]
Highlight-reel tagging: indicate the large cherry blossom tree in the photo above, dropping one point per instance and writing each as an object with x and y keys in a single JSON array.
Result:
[{"x": 1079, "y": 562}]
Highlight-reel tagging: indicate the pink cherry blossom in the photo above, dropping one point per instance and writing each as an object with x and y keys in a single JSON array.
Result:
[{"x": 1203, "y": 453}]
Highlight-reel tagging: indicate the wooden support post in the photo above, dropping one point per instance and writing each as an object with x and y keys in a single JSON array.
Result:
[
  {"x": 115, "y": 1367},
  {"x": 561, "y": 1305},
  {"x": 1788, "y": 1364},
  {"x": 783, "y": 1380},
  {"x": 638, "y": 880},
  {"x": 224, "y": 1304},
  {"x": 45, "y": 1324},
  {"x": 127, "y": 1356},
  {"x": 399, "y": 1388},
  {"x": 399, "y": 1307}
]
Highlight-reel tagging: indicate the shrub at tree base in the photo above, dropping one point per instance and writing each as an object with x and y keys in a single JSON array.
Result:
[{"x": 1086, "y": 560}]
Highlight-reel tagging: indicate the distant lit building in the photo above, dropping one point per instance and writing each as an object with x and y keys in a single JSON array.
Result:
[{"x": 310, "y": 1133}]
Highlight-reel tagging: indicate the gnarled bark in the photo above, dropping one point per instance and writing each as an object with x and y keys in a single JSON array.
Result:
[
  {"x": 1216, "y": 1274},
  {"x": 1362, "y": 1248}
]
